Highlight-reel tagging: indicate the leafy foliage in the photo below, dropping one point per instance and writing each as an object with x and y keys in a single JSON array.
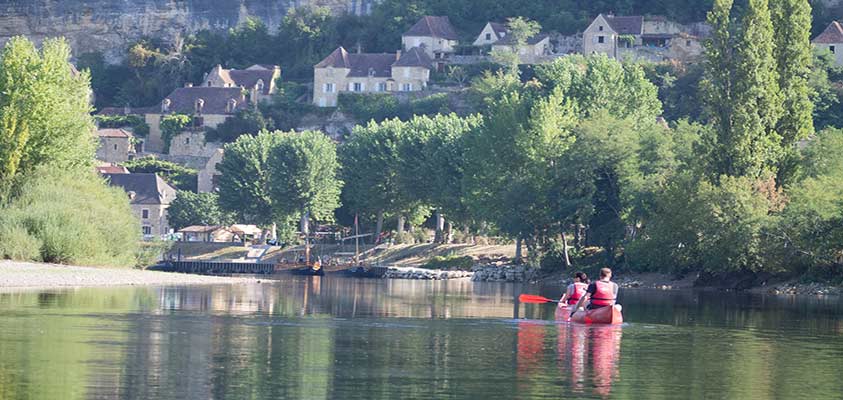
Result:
[
  {"x": 191, "y": 208},
  {"x": 135, "y": 123},
  {"x": 246, "y": 122},
  {"x": 182, "y": 178},
  {"x": 244, "y": 180},
  {"x": 171, "y": 126}
]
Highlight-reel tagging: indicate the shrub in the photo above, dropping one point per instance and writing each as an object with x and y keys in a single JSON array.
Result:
[
  {"x": 454, "y": 263},
  {"x": 136, "y": 123},
  {"x": 367, "y": 107},
  {"x": 179, "y": 176},
  {"x": 171, "y": 126},
  {"x": 69, "y": 218},
  {"x": 17, "y": 244},
  {"x": 553, "y": 257}
]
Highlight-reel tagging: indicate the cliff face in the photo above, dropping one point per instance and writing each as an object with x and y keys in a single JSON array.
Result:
[{"x": 109, "y": 25}]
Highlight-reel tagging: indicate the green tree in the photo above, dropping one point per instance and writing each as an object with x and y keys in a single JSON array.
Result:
[
  {"x": 520, "y": 29},
  {"x": 304, "y": 175},
  {"x": 741, "y": 88},
  {"x": 244, "y": 179},
  {"x": 171, "y": 126},
  {"x": 196, "y": 209},
  {"x": 181, "y": 177},
  {"x": 246, "y": 122},
  {"x": 44, "y": 111}
]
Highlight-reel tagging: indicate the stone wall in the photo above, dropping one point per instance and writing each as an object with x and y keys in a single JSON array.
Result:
[{"x": 109, "y": 25}]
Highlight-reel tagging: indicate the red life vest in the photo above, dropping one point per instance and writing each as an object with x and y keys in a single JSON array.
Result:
[
  {"x": 604, "y": 295},
  {"x": 579, "y": 291}
]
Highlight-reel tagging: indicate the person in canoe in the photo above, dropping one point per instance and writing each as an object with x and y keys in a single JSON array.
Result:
[
  {"x": 575, "y": 290},
  {"x": 599, "y": 294}
]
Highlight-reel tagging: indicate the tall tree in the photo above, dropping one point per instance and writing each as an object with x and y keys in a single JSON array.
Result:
[
  {"x": 44, "y": 110},
  {"x": 741, "y": 88},
  {"x": 196, "y": 209},
  {"x": 794, "y": 55},
  {"x": 244, "y": 178},
  {"x": 304, "y": 175}
]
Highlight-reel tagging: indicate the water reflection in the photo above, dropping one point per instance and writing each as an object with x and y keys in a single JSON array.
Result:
[{"x": 320, "y": 338}]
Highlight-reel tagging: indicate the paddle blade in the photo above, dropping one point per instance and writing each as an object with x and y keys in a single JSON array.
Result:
[{"x": 531, "y": 298}]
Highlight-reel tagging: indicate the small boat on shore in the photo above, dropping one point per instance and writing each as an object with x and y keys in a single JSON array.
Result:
[{"x": 604, "y": 315}]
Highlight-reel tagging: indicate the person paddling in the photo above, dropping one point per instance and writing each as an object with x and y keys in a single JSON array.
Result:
[
  {"x": 599, "y": 294},
  {"x": 575, "y": 290}
]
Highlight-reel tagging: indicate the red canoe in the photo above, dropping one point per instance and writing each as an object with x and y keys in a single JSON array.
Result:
[{"x": 604, "y": 315}]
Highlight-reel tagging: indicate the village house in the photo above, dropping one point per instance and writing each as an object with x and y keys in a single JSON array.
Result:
[
  {"x": 435, "y": 35},
  {"x": 530, "y": 52},
  {"x": 115, "y": 146},
  {"x": 653, "y": 38},
  {"x": 342, "y": 71},
  {"x": 209, "y": 107},
  {"x": 206, "y": 233},
  {"x": 207, "y": 180},
  {"x": 831, "y": 39},
  {"x": 258, "y": 80},
  {"x": 491, "y": 33},
  {"x": 149, "y": 198}
]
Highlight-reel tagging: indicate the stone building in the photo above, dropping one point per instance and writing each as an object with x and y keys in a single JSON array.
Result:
[
  {"x": 491, "y": 33},
  {"x": 342, "y": 71},
  {"x": 653, "y": 38},
  {"x": 258, "y": 80},
  {"x": 531, "y": 52},
  {"x": 831, "y": 39},
  {"x": 115, "y": 146},
  {"x": 209, "y": 107},
  {"x": 149, "y": 198},
  {"x": 435, "y": 35},
  {"x": 208, "y": 176}
]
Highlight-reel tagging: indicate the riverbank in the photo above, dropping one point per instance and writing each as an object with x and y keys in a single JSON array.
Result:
[{"x": 27, "y": 275}]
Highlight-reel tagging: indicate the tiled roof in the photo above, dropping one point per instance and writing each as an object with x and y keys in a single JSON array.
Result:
[
  {"x": 630, "y": 25},
  {"x": 414, "y": 57},
  {"x": 337, "y": 59},
  {"x": 183, "y": 100},
  {"x": 143, "y": 188},
  {"x": 499, "y": 29},
  {"x": 113, "y": 133},
  {"x": 510, "y": 40},
  {"x": 109, "y": 168},
  {"x": 833, "y": 33},
  {"x": 433, "y": 26},
  {"x": 201, "y": 228},
  {"x": 362, "y": 65}
]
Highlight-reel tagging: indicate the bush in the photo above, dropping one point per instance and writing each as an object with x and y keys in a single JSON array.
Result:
[
  {"x": 367, "y": 107},
  {"x": 70, "y": 219},
  {"x": 553, "y": 257},
  {"x": 245, "y": 122},
  {"x": 17, "y": 244},
  {"x": 181, "y": 177},
  {"x": 136, "y": 123},
  {"x": 171, "y": 126},
  {"x": 454, "y": 263}
]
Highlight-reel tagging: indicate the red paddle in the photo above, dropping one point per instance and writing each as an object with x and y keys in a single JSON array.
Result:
[{"x": 531, "y": 298}]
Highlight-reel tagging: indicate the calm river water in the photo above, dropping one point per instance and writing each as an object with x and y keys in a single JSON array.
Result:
[{"x": 336, "y": 338}]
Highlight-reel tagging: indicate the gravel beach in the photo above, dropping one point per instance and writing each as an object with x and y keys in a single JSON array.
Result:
[{"x": 34, "y": 275}]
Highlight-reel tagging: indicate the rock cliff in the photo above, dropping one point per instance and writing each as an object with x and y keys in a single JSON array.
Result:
[{"x": 109, "y": 25}]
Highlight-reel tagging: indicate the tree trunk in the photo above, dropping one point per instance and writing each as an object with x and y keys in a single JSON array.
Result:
[
  {"x": 275, "y": 232},
  {"x": 578, "y": 237},
  {"x": 400, "y": 228},
  {"x": 379, "y": 227},
  {"x": 565, "y": 250},
  {"x": 449, "y": 232},
  {"x": 518, "y": 250},
  {"x": 440, "y": 227}
]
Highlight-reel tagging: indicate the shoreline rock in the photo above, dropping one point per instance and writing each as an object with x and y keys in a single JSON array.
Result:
[
  {"x": 425, "y": 274},
  {"x": 503, "y": 273}
]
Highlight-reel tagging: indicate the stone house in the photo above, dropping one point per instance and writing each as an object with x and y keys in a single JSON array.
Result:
[
  {"x": 531, "y": 52},
  {"x": 206, "y": 233},
  {"x": 258, "y": 80},
  {"x": 831, "y": 39},
  {"x": 435, "y": 35},
  {"x": 342, "y": 71},
  {"x": 209, "y": 107},
  {"x": 654, "y": 38},
  {"x": 115, "y": 146},
  {"x": 208, "y": 177},
  {"x": 149, "y": 198},
  {"x": 491, "y": 33}
]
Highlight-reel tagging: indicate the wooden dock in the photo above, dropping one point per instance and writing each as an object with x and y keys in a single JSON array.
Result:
[{"x": 216, "y": 267}]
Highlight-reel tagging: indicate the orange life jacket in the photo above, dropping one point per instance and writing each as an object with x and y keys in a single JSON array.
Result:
[
  {"x": 604, "y": 295},
  {"x": 579, "y": 291}
]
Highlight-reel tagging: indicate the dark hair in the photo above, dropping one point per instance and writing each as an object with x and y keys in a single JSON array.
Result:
[
  {"x": 582, "y": 276},
  {"x": 604, "y": 272}
]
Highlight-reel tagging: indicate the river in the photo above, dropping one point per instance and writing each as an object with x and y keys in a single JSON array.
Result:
[{"x": 339, "y": 338}]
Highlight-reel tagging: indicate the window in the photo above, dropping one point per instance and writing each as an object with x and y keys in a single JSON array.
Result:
[
  {"x": 687, "y": 43},
  {"x": 600, "y": 28},
  {"x": 329, "y": 88},
  {"x": 145, "y": 214},
  {"x": 357, "y": 87},
  {"x": 601, "y": 39},
  {"x": 407, "y": 87},
  {"x": 488, "y": 36},
  {"x": 198, "y": 121},
  {"x": 831, "y": 49},
  {"x": 186, "y": 140},
  {"x": 381, "y": 86},
  {"x": 115, "y": 147},
  {"x": 147, "y": 230}
]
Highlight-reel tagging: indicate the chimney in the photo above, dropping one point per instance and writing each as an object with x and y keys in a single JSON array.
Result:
[
  {"x": 359, "y": 48},
  {"x": 231, "y": 106},
  {"x": 397, "y": 55},
  {"x": 165, "y": 106},
  {"x": 200, "y": 104}
]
